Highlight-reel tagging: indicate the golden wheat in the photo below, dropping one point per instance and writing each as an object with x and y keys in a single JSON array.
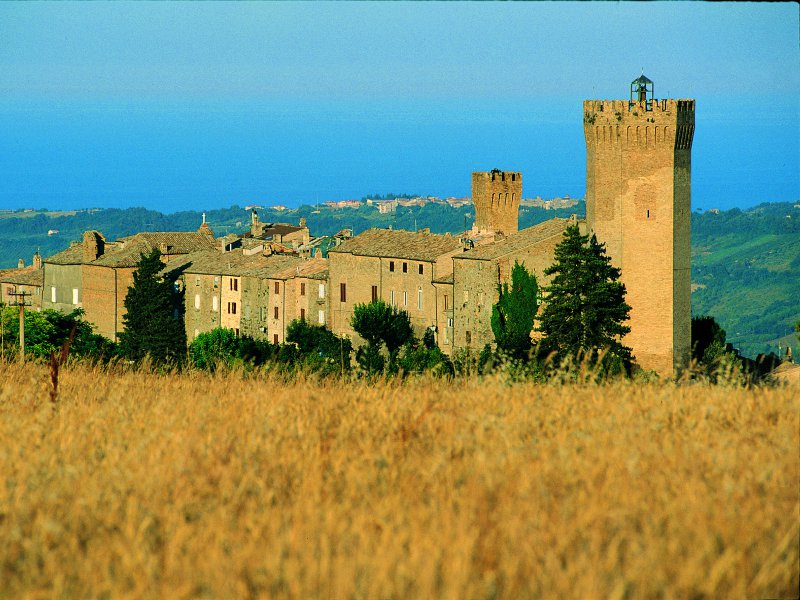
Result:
[{"x": 151, "y": 486}]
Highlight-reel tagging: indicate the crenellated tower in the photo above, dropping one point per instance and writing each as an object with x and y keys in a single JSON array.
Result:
[
  {"x": 638, "y": 202},
  {"x": 496, "y": 196}
]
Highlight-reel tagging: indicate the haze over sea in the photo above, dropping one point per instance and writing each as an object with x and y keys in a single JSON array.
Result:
[{"x": 194, "y": 107}]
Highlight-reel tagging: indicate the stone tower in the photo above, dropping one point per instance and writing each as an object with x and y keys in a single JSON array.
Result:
[
  {"x": 638, "y": 202},
  {"x": 496, "y": 196}
]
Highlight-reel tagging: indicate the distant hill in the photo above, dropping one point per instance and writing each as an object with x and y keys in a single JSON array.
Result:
[{"x": 745, "y": 264}]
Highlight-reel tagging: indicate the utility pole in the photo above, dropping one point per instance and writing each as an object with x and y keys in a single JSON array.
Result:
[{"x": 21, "y": 301}]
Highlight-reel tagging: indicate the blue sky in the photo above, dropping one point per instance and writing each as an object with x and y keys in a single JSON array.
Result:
[{"x": 190, "y": 105}]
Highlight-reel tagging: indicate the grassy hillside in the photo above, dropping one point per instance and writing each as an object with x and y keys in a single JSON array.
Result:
[
  {"x": 746, "y": 273},
  {"x": 147, "y": 486}
]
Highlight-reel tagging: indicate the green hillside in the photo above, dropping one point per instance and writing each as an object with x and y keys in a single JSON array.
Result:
[
  {"x": 745, "y": 264},
  {"x": 746, "y": 273}
]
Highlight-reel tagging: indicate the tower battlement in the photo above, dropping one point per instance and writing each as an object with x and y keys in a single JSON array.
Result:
[
  {"x": 645, "y": 124},
  {"x": 496, "y": 195}
]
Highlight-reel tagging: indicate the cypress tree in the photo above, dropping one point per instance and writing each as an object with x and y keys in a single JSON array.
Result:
[
  {"x": 153, "y": 323},
  {"x": 585, "y": 309},
  {"x": 513, "y": 315}
]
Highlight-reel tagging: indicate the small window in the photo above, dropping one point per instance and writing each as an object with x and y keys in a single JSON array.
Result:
[
  {"x": 234, "y": 284},
  {"x": 468, "y": 335},
  {"x": 342, "y": 292},
  {"x": 236, "y": 331},
  {"x": 197, "y": 282},
  {"x": 421, "y": 269},
  {"x": 321, "y": 290},
  {"x": 648, "y": 214},
  {"x": 302, "y": 288},
  {"x": 449, "y": 322},
  {"x": 275, "y": 339},
  {"x": 197, "y": 301},
  {"x": 419, "y": 298},
  {"x": 275, "y": 312},
  {"x": 445, "y": 301},
  {"x": 405, "y": 298},
  {"x": 321, "y": 317},
  {"x": 216, "y": 281},
  {"x": 214, "y": 304},
  {"x": 231, "y": 308},
  {"x": 277, "y": 287},
  {"x": 74, "y": 295},
  {"x": 374, "y": 293},
  {"x": 391, "y": 294},
  {"x": 391, "y": 266},
  {"x": 405, "y": 267},
  {"x": 302, "y": 314},
  {"x": 53, "y": 294}
]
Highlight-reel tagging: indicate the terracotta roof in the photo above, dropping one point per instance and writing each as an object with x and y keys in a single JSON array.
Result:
[
  {"x": 387, "y": 243},
  {"x": 279, "y": 229},
  {"x": 315, "y": 268},
  {"x": 234, "y": 263},
  {"x": 131, "y": 249},
  {"x": 25, "y": 276},
  {"x": 71, "y": 256},
  {"x": 518, "y": 241}
]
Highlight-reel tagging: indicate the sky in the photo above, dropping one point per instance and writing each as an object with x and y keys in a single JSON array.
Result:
[{"x": 177, "y": 106}]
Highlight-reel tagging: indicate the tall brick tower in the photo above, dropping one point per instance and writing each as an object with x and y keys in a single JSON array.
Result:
[
  {"x": 638, "y": 202},
  {"x": 496, "y": 196}
]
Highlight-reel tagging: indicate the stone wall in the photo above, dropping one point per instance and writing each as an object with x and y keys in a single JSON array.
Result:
[{"x": 65, "y": 279}]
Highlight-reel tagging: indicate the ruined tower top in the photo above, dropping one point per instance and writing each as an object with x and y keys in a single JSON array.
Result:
[{"x": 496, "y": 195}]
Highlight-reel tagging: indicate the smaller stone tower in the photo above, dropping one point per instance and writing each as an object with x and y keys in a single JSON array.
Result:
[{"x": 496, "y": 196}]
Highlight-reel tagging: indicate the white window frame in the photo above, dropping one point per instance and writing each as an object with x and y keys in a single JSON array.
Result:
[
  {"x": 197, "y": 301},
  {"x": 321, "y": 317},
  {"x": 75, "y": 296},
  {"x": 53, "y": 294},
  {"x": 419, "y": 298},
  {"x": 321, "y": 290}
]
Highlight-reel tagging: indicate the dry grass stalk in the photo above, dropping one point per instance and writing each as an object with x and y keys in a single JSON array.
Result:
[{"x": 219, "y": 486}]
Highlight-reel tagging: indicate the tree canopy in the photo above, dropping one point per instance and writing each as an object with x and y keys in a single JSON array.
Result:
[
  {"x": 513, "y": 315},
  {"x": 153, "y": 323},
  {"x": 585, "y": 310},
  {"x": 379, "y": 323}
]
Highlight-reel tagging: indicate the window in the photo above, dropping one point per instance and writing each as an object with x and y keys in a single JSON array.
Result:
[
  {"x": 374, "y": 293},
  {"x": 391, "y": 294},
  {"x": 53, "y": 294},
  {"x": 197, "y": 282},
  {"x": 236, "y": 331},
  {"x": 275, "y": 312},
  {"x": 197, "y": 301},
  {"x": 445, "y": 301},
  {"x": 302, "y": 314},
  {"x": 216, "y": 281},
  {"x": 74, "y": 295},
  {"x": 321, "y": 317},
  {"x": 234, "y": 283},
  {"x": 214, "y": 304},
  {"x": 277, "y": 287},
  {"x": 275, "y": 339},
  {"x": 391, "y": 266},
  {"x": 302, "y": 288},
  {"x": 321, "y": 290},
  {"x": 421, "y": 269},
  {"x": 468, "y": 335},
  {"x": 405, "y": 298},
  {"x": 231, "y": 308},
  {"x": 419, "y": 298},
  {"x": 405, "y": 267},
  {"x": 342, "y": 292}
]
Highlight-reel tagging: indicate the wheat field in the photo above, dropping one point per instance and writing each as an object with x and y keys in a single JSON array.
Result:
[{"x": 229, "y": 486}]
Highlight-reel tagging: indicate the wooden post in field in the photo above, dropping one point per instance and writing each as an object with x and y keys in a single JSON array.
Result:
[{"x": 21, "y": 301}]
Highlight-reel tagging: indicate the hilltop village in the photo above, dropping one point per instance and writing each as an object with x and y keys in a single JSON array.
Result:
[{"x": 258, "y": 281}]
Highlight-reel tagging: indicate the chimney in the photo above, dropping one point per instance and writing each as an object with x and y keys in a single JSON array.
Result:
[
  {"x": 21, "y": 263},
  {"x": 37, "y": 261},
  {"x": 93, "y": 246}
]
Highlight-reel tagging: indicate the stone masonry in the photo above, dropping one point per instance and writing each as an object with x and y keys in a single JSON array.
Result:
[{"x": 496, "y": 195}]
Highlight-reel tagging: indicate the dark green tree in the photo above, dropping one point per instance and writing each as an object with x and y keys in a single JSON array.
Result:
[
  {"x": 322, "y": 350},
  {"x": 153, "y": 323},
  {"x": 513, "y": 315},
  {"x": 585, "y": 310},
  {"x": 706, "y": 333},
  {"x": 378, "y": 323},
  {"x": 210, "y": 348}
]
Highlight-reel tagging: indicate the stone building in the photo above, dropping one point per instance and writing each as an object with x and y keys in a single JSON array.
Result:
[
  {"x": 285, "y": 234},
  {"x": 299, "y": 292},
  {"x": 28, "y": 280},
  {"x": 478, "y": 272},
  {"x": 63, "y": 272},
  {"x": 105, "y": 279},
  {"x": 399, "y": 267},
  {"x": 496, "y": 196},
  {"x": 638, "y": 202}
]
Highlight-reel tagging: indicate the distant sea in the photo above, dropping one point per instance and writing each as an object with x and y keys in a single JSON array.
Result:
[{"x": 202, "y": 154}]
